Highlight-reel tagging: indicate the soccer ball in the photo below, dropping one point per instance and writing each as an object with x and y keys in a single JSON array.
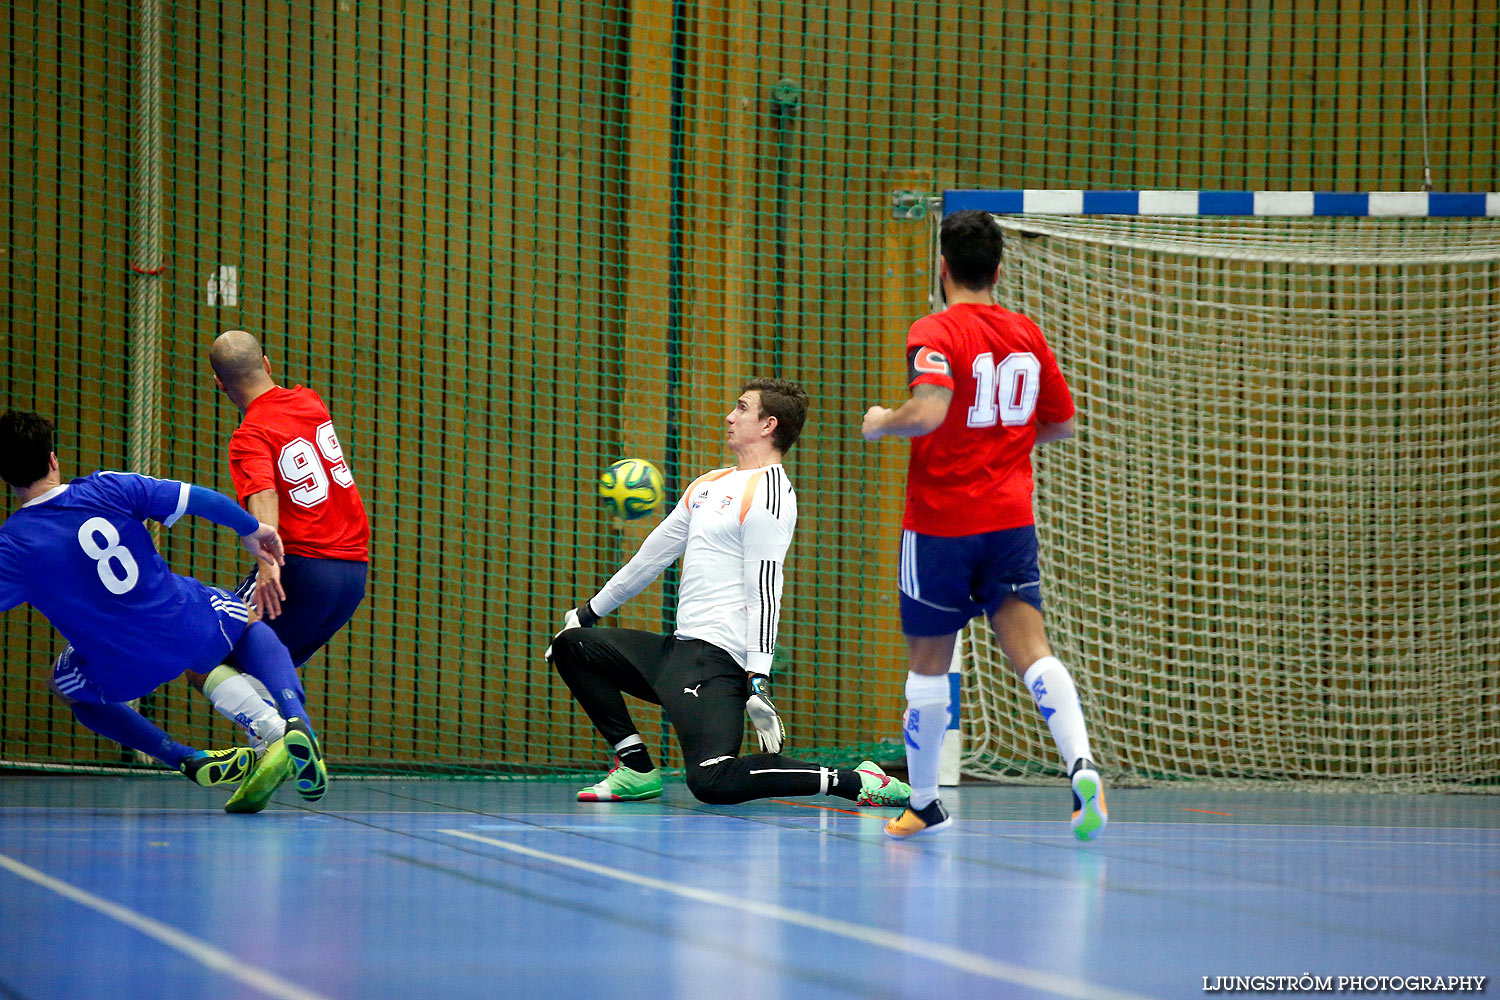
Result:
[{"x": 632, "y": 488}]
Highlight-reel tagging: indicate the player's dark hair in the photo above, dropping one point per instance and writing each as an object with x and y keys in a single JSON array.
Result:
[
  {"x": 787, "y": 402},
  {"x": 972, "y": 244},
  {"x": 25, "y": 446}
]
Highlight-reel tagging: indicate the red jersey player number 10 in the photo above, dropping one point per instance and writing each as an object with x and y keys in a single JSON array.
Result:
[{"x": 1005, "y": 392}]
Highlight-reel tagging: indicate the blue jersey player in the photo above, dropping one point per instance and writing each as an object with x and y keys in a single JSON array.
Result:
[{"x": 79, "y": 553}]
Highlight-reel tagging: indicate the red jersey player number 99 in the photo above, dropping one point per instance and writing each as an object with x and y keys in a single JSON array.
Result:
[
  {"x": 1005, "y": 392},
  {"x": 302, "y": 467}
]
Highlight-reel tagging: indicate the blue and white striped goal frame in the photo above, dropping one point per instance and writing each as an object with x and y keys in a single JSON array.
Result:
[{"x": 1387, "y": 204}]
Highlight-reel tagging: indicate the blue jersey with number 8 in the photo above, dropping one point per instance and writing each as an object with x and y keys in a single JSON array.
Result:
[{"x": 80, "y": 555}]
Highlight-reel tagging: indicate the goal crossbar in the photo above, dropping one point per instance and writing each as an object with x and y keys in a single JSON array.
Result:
[{"x": 1067, "y": 201}]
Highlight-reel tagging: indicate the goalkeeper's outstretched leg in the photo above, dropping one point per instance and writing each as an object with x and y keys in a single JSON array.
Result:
[{"x": 704, "y": 693}]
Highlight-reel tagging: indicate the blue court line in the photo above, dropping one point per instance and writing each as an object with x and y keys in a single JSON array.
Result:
[
  {"x": 956, "y": 958},
  {"x": 198, "y": 950}
]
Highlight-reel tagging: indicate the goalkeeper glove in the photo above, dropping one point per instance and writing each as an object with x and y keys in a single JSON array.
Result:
[
  {"x": 763, "y": 715},
  {"x": 580, "y": 617}
]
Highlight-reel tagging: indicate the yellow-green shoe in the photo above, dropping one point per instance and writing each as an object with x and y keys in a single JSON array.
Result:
[
  {"x": 1090, "y": 814},
  {"x": 307, "y": 760},
  {"x": 218, "y": 767},
  {"x": 252, "y": 795},
  {"x": 876, "y": 788},
  {"x": 624, "y": 785}
]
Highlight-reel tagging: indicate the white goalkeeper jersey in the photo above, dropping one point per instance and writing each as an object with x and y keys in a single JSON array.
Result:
[{"x": 732, "y": 529}]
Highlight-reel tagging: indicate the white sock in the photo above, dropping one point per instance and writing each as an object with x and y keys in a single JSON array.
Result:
[
  {"x": 1052, "y": 686},
  {"x": 260, "y": 689},
  {"x": 270, "y": 700},
  {"x": 926, "y": 720},
  {"x": 235, "y": 696}
]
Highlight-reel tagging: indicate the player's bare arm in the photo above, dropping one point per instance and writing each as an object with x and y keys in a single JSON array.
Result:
[
  {"x": 264, "y": 507},
  {"x": 269, "y": 594},
  {"x": 922, "y": 414},
  {"x": 1047, "y": 433}
]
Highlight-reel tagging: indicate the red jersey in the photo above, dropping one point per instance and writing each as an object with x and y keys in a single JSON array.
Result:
[
  {"x": 287, "y": 443},
  {"x": 973, "y": 473}
]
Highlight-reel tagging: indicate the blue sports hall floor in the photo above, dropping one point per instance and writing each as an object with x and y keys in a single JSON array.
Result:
[{"x": 140, "y": 887}]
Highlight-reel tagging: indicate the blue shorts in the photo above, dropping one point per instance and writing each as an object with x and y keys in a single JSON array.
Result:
[
  {"x": 321, "y": 596},
  {"x": 947, "y": 582},
  {"x": 104, "y": 682}
]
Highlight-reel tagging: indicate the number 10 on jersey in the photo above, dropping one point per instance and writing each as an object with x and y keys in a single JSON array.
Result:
[{"x": 1005, "y": 392}]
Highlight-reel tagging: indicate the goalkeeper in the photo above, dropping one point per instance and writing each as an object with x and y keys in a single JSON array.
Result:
[{"x": 732, "y": 529}]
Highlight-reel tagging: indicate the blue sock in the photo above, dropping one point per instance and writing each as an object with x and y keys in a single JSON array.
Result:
[
  {"x": 261, "y": 655},
  {"x": 119, "y": 722}
]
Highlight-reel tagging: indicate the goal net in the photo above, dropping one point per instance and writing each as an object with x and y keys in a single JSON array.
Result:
[{"x": 1273, "y": 549}]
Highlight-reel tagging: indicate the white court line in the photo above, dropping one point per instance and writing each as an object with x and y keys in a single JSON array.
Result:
[
  {"x": 200, "y": 951},
  {"x": 957, "y": 958}
]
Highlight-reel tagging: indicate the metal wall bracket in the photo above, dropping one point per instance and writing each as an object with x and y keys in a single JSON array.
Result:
[{"x": 906, "y": 204}]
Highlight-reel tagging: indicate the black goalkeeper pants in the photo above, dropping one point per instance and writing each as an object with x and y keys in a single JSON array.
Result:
[{"x": 702, "y": 690}]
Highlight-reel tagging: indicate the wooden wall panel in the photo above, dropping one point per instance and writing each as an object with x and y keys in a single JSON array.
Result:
[
  {"x": 1247, "y": 73},
  {"x": 455, "y": 223},
  {"x": 643, "y": 348},
  {"x": 1480, "y": 126},
  {"x": 521, "y": 520},
  {"x": 63, "y": 285},
  {"x": 29, "y": 641},
  {"x": 351, "y": 250}
]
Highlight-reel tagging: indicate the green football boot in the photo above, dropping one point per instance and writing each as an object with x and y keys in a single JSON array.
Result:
[
  {"x": 307, "y": 760},
  {"x": 218, "y": 767},
  {"x": 624, "y": 785},
  {"x": 1090, "y": 814},
  {"x": 274, "y": 768},
  {"x": 880, "y": 789}
]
